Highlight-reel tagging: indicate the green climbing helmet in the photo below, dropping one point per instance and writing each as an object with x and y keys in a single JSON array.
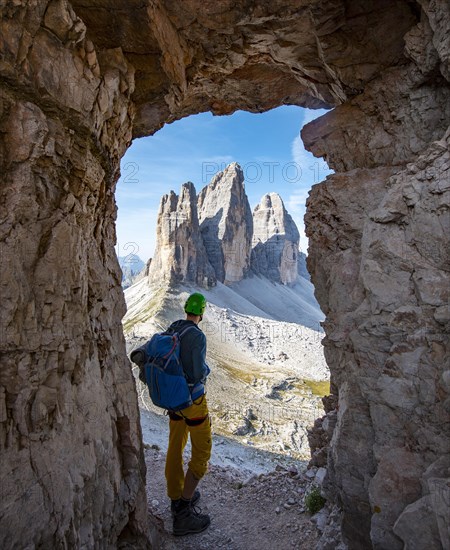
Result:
[{"x": 195, "y": 304}]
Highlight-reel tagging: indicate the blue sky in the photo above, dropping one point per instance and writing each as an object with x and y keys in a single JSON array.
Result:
[{"x": 267, "y": 146}]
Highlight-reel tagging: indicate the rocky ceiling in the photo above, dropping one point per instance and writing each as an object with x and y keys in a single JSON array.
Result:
[
  {"x": 196, "y": 56},
  {"x": 79, "y": 81}
]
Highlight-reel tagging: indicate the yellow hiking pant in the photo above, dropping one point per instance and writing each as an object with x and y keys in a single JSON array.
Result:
[{"x": 194, "y": 421}]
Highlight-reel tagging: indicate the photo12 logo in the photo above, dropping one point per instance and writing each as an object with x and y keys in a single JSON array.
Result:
[{"x": 271, "y": 171}]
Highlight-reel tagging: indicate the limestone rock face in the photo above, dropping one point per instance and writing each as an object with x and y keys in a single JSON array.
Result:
[
  {"x": 73, "y": 472},
  {"x": 143, "y": 274},
  {"x": 275, "y": 243},
  {"x": 425, "y": 521},
  {"x": 309, "y": 53},
  {"x": 374, "y": 324},
  {"x": 302, "y": 267},
  {"x": 380, "y": 267},
  {"x": 218, "y": 247},
  {"x": 226, "y": 224},
  {"x": 180, "y": 255}
]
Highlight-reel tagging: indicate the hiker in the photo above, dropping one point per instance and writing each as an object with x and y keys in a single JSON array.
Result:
[{"x": 193, "y": 420}]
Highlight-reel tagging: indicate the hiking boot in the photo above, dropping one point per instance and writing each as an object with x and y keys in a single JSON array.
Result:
[
  {"x": 174, "y": 505},
  {"x": 188, "y": 520}
]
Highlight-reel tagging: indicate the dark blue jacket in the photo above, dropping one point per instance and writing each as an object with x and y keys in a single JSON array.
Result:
[{"x": 192, "y": 351}]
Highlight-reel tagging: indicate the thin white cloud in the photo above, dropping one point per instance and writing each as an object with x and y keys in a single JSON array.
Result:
[
  {"x": 295, "y": 205},
  {"x": 310, "y": 114},
  {"x": 297, "y": 200},
  {"x": 304, "y": 243},
  {"x": 313, "y": 171},
  {"x": 301, "y": 156}
]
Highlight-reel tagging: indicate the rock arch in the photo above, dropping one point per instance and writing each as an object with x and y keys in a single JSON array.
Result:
[{"x": 79, "y": 80}]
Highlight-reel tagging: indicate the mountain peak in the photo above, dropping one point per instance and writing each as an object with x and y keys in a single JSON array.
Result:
[
  {"x": 234, "y": 166},
  {"x": 226, "y": 224},
  {"x": 189, "y": 188},
  {"x": 230, "y": 178},
  {"x": 180, "y": 254},
  {"x": 216, "y": 237},
  {"x": 275, "y": 241},
  {"x": 270, "y": 200}
]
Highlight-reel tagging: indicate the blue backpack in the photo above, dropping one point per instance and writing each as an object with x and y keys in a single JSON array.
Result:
[{"x": 160, "y": 363}]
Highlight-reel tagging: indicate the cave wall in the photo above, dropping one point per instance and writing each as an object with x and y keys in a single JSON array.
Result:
[
  {"x": 79, "y": 81},
  {"x": 378, "y": 252},
  {"x": 72, "y": 469}
]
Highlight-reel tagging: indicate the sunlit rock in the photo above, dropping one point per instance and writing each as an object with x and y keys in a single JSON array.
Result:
[
  {"x": 226, "y": 224},
  {"x": 180, "y": 255},
  {"x": 79, "y": 80}
]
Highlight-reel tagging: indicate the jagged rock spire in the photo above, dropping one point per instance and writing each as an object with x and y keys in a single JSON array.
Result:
[
  {"x": 216, "y": 238},
  {"x": 180, "y": 255},
  {"x": 275, "y": 241},
  {"x": 226, "y": 224}
]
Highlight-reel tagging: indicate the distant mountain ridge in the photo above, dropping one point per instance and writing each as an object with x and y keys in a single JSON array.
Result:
[
  {"x": 131, "y": 265},
  {"x": 215, "y": 237},
  {"x": 262, "y": 321}
]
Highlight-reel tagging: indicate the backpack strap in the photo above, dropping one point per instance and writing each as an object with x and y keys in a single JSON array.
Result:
[{"x": 183, "y": 332}]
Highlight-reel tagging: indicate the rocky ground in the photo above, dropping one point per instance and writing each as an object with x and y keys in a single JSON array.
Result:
[
  {"x": 256, "y": 512},
  {"x": 259, "y": 410},
  {"x": 267, "y": 376},
  {"x": 264, "y": 392}
]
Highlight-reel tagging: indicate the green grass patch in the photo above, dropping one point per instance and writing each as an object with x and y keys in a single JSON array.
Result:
[
  {"x": 129, "y": 324},
  {"x": 314, "y": 388},
  {"x": 314, "y": 501},
  {"x": 319, "y": 388},
  {"x": 237, "y": 372}
]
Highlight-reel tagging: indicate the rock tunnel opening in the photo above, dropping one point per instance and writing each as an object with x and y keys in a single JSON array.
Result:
[
  {"x": 378, "y": 244},
  {"x": 273, "y": 284}
]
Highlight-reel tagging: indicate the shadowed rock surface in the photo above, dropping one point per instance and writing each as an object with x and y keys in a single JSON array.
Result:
[
  {"x": 275, "y": 252},
  {"x": 226, "y": 224},
  {"x": 79, "y": 80},
  {"x": 302, "y": 268}
]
